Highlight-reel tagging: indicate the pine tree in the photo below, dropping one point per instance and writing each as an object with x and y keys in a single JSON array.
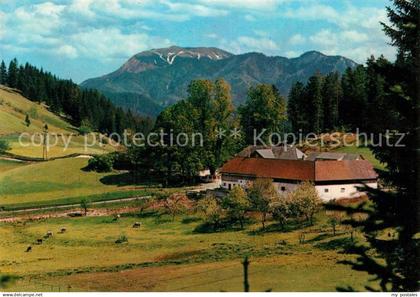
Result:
[
  {"x": 314, "y": 107},
  {"x": 13, "y": 72},
  {"x": 353, "y": 106},
  {"x": 3, "y": 73},
  {"x": 391, "y": 228},
  {"x": 331, "y": 96},
  {"x": 296, "y": 109},
  {"x": 27, "y": 121}
]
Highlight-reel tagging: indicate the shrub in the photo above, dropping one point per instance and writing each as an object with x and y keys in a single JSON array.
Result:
[
  {"x": 85, "y": 127},
  {"x": 122, "y": 238},
  {"x": 4, "y": 145},
  {"x": 101, "y": 163}
]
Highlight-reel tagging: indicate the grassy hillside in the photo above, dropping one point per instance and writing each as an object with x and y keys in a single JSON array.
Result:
[
  {"x": 13, "y": 109},
  {"x": 55, "y": 183},
  {"x": 6, "y": 165}
]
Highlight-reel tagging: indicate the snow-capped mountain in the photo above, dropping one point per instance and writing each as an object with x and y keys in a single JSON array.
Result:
[{"x": 156, "y": 78}]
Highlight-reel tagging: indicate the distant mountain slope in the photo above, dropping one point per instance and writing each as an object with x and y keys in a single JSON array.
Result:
[{"x": 153, "y": 79}]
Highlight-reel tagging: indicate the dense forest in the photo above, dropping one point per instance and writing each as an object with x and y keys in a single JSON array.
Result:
[
  {"x": 354, "y": 100},
  {"x": 87, "y": 109}
]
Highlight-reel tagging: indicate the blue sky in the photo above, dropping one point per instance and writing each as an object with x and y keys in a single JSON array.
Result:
[{"x": 80, "y": 39}]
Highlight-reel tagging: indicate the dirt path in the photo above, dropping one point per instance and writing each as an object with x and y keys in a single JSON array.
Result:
[
  {"x": 65, "y": 210},
  {"x": 65, "y": 213},
  {"x": 26, "y": 214}
]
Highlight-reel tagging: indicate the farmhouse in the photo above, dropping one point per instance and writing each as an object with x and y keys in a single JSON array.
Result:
[{"x": 335, "y": 175}]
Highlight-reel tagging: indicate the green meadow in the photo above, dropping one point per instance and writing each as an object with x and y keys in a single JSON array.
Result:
[
  {"x": 166, "y": 255},
  {"x": 57, "y": 182}
]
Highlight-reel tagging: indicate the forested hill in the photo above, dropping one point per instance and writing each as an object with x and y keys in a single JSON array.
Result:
[
  {"x": 154, "y": 79},
  {"x": 84, "y": 108}
]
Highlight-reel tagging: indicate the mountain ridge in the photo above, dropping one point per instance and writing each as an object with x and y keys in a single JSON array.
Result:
[{"x": 153, "y": 79}]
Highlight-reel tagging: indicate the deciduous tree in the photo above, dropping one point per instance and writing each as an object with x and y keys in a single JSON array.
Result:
[
  {"x": 237, "y": 204},
  {"x": 261, "y": 193}
]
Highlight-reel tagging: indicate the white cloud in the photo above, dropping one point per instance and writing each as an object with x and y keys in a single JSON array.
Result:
[
  {"x": 68, "y": 51},
  {"x": 297, "y": 39},
  {"x": 366, "y": 17},
  {"x": 257, "y": 43},
  {"x": 324, "y": 38},
  {"x": 244, "y": 44},
  {"x": 313, "y": 12},
  {"x": 49, "y": 9},
  {"x": 195, "y": 9},
  {"x": 250, "y": 18},
  {"x": 244, "y": 4},
  {"x": 111, "y": 43},
  {"x": 354, "y": 36},
  {"x": 37, "y": 19},
  {"x": 357, "y": 32},
  {"x": 350, "y": 43},
  {"x": 2, "y": 24},
  {"x": 261, "y": 33},
  {"x": 212, "y": 35},
  {"x": 291, "y": 54},
  {"x": 82, "y": 7}
]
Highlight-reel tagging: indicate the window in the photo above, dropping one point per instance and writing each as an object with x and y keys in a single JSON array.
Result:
[
  {"x": 326, "y": 190},
  {"x": 343, "y": 190},
  {"x": 224, "y": 184},
  {"x": 283, "y": 189},
  {"x": 230, "y": 186}
]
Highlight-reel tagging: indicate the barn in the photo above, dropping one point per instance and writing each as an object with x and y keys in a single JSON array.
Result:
[{"x": 335, "y": 175}]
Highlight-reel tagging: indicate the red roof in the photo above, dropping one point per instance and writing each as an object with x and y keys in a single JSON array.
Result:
[
  {"x": 344, "y": 170},
  {"x": 271, "y": 168},
  {"x": 330, "y": 170}
]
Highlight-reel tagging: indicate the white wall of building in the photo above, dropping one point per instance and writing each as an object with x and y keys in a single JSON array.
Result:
[
  {"x": 329, "y": 192},
  {"x": 284, "y": 188},
  {"x": 228, "y": 185},
  {"x": 326, "y": 192}
]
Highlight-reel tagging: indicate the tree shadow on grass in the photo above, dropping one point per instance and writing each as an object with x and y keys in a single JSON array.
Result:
[
  {"x": 276, "y": 227},
  {"x": 223, "y": 226},
  {"x": 340, "y": 243},
  {"x": 319, "y": 237},
  {"x": 129, "y": 179}
]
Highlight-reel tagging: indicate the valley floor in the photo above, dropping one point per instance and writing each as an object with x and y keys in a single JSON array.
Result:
[{"x": 166, "y": 255}]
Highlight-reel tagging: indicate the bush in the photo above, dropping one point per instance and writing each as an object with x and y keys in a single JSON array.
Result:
[
  {"x": 101, "y": 163},
  {"x": 85, "y": 127},
  {"x": 123, "y": 238},
  {"x": 4, "y": 145}
]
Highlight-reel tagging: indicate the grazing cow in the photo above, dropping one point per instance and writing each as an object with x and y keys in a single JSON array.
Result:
[
  {"x": 63, "y": 229},
  {"x": 28, "y": 249},
  {"x": 136, "y": 225},
  {"x": 49, "y": 233},
  {"x": 116, "y": 217},
  {"x": 39, "y": 241}
]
